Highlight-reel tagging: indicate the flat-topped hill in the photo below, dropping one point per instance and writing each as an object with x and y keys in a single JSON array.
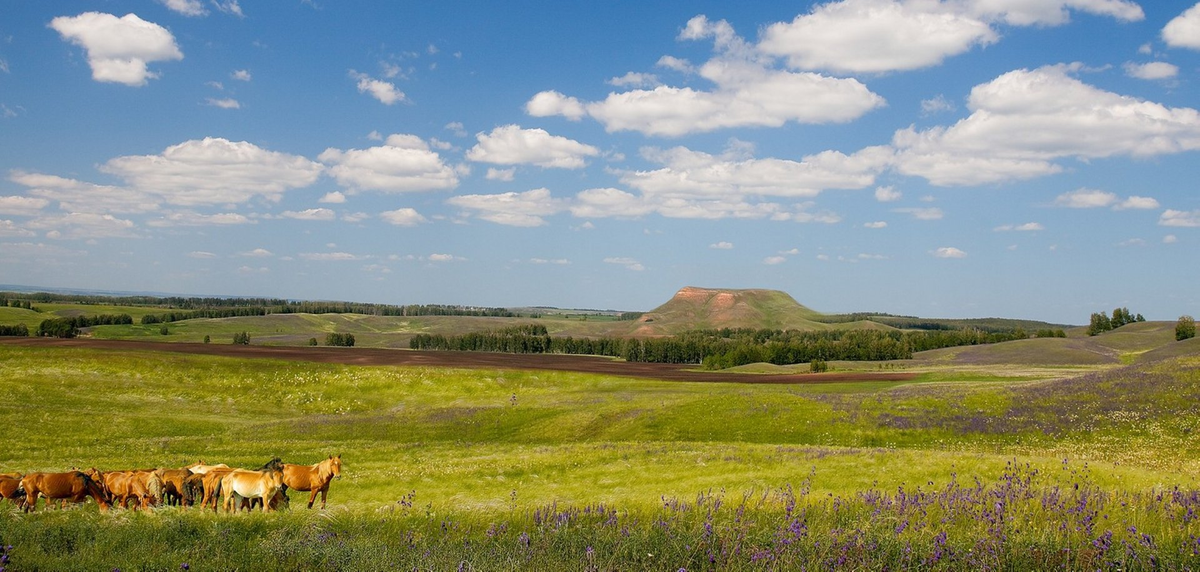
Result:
[{"x": 693, "y": 308}]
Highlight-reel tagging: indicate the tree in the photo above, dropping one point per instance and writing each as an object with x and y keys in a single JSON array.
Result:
[
  {"x": 207, "y": 339},
  {"x": 312, "y": 341},
  {"x": 818, "y": 366},
  {"x": 241, "y": 338},
  {"x": 57, "y": 328},
  {"x": 1100, "y": 324},
  {"x": 1185, "y": 328},
  {"x": 164, "y": 330}
]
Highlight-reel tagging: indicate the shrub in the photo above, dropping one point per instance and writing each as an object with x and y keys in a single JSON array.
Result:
[
  {"x": 241, "y": 338},
  {"x": 1185, "y": 328},
  {"x": 312, "y": 341},
  {"x": 341, "y": 340},
  {"x": 57, "y": 328},
  {"x": 164, "y": 330},
  {"x": 818, "y": 366},
  {"x": 207, "y": 339}
]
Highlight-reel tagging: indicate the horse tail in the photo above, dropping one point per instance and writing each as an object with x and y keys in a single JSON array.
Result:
[{"x": 154, "y": 488}]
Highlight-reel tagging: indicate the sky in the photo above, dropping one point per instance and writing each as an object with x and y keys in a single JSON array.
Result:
[{"x": 962, "y": 158}]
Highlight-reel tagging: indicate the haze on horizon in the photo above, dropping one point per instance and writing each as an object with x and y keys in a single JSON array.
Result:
[{"x": 1034, "y": 162}]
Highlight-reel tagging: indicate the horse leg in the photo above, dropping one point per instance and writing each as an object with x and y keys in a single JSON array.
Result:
[
  {"x": 313, "y": 497},
  {"x": 324, "y": 491}
]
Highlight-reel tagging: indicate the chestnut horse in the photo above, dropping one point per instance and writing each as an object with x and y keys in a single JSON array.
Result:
[
  {"x": 211, "y": 482},
  {"x": 243, "y": 484},
  {"x": 172, "y": 481},
  {"x": 145, "y": 487},
  {"x": 72, "y": 485},
  {"x": 10, "y": 488},
  {"x": 199, "y": 468},
  {"x": 313, "y": 478}
]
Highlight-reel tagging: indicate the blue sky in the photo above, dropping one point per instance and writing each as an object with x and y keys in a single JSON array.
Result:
[{"x": 968, "y": 158}]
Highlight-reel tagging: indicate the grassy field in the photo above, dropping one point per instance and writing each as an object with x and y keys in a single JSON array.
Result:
[{"x": 969, "y": 467}]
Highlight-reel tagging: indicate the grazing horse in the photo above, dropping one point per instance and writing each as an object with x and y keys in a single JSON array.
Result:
[
  {"x": 72, "y": 485},
  {"x": 244, "y": 484},
  {"x": 199, "y": 468},
  {"x": 313, "y": 478},
  {"x": 193, "y": 489},
  {"x": 212, "y": 486},
  {"x": 172, "y": 481},
  {"x": 145, "y": 487},
  {"x": 10, "y": 488}
]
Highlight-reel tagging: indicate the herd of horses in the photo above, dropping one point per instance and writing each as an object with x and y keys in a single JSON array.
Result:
[{"x": 196, "y": 484}]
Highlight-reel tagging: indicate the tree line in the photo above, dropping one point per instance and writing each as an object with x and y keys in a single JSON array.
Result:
[
  {"x": 719, "y": 349},
  {"x": 1101, "y": 322}
]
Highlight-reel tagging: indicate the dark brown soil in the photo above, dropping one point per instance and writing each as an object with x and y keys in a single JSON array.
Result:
[{"x": 477, "y": 360}]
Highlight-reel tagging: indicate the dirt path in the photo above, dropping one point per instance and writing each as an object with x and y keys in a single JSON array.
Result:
[{"x": 476, "y": 360}]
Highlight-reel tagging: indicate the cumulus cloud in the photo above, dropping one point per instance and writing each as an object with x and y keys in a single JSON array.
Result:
[
  {"x": 773, "y": 260},
  {"x": 185, "y": 7},
  {"x": 931, "y": 213},
  {"x": 556, "y": 261},
  {"x": 190, "y": 218},
  {"x": 494, "y": 174},
  {"x": 22, "y": 206},
  {"x": 872, "y": 36},
  {"x": 512, "y": 145},
  {"x": 332, "y": 256},
  {"x": 628, "y": 263},
  {"x": 1085, "y": 198},
  {"x": 1170, "y": 239},
  {"x": 241, "y": 75},
  {"x": 225, "y": 103},
  {"x": 257, "y": 253},
  {"x": 747, "y": 92},
  {"x": 310, "y": 214},
  {"x": 9, "y": 228},
  {"x": 723, "y": 245},
  {"x": 385, "y": 92},
  {"x": 512, "y": 209},
  {"x": 445, "y": 258},
  {"x": 949, "y": 252},
  {"x": 404, "y": 163},
  {"x": 887, "y": 194},
  {"x": 333, "y": 197},
  {"x": 79, "y": 196},
  {"x": 83, "y": 225},
  {"x": 1183, "y": 31},
  {"x": 118, "y": 49},
  {"x": 1172, "y": 217},
  {"x": 1151, "y": 70},
  {"x": 402, "y": 217},
  {"x": 1027, "y": 227},
  {"x": 1025, "y": 120},
  {"x": 876, "y": 224},
  {"x": 1138, "y": 203},
  {"x": 937, "y": 104},
  {"x": 635, "y": 79},
  {"x": 214, "y": 171},
  {"x": 229, "y": 7}
]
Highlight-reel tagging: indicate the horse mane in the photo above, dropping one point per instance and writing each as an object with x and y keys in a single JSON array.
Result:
[{"x": 275, "y": 464}]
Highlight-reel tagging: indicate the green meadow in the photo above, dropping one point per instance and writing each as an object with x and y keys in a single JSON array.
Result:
[{"x": 488, "y": 469}]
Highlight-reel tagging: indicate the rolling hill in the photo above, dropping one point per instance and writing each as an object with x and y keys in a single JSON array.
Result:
[{"x": 694, "y": 308}]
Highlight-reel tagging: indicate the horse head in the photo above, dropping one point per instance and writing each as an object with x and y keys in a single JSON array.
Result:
[
  {"x": 275, "y": 464},
  {"x": 335, "y": 466}
]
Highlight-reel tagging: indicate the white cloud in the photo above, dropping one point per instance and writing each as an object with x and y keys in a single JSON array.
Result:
[
  {"x": 310, "y": 214},
  {"x": 375, "y": 135},
  {"x": 252, "y": 270},
  {"x": 1151, "y": 70},
  {"x": 871, "y": 36},
  {"x": 773, "y": 260},
  {"x": 556, "y": 261},
  {"x": 402, "y": 217},
  {"x": 747, "y": 92},
  {"x": 1183, "y": 31},
  {"x": 887, "y": 194},
  {"x": 404, "y": 163},
  {"x": 609, "y": 202},
  {"x": 83, "y": 225},
  {"x": 512, "y": 145},
  {"x": 354, "y": 218},
  {"x": 214, "y": 171},
  {"x": 201, "y": 255},
  {"x": 550, "y": 103},
  {"x": 385, "y": 92},
  {"x": 512, "y": 209},
  {"x": 10, "y": 228},
  {"x": 257, "y": 253},
  {"x": 229, "y": 7},
  {"x": 635, "y": 79},
  {"x": 22, "y": 206},
  {"x": 1139, "y": 203},
  {"x": 118, "y": 49},
  {"x": 1172, "y": 217},
  {"x": 937, "y": 104},
  {"x": 1024, "y": 120},
  {"x": 1027, "y": 227},
  {"x": 949, "y": 252},
  {"x": 456, "y": 127},
  {"x": 186, "y": 7},
  {"x": 333, "y": 198},
  {"x": 332, "y": 256},
  {"x": 189, "y": 218},
  {"x": 932, "y": 213},
  {"x": 241, "y": 75},
  {"x": 1170, "y": 239},
  {"x": 445, "y": 258},
  {"x": 225, "y": 103},
  {"x": 1085, "y": 198},
  {"x": 79, "y": 196},
  {"x": 877, "y": 224},
  {"x": 677, "y": 64},
  {"x": 494, "y": 174},
  {"x": 723, "y": 245},
  {"x": 628, "y": 263},
  {"x": 1133, "y": 242},
  {"x": 865, "y": 256}
]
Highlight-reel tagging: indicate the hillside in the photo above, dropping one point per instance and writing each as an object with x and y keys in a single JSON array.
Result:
[{"x": 695, "y": 308}]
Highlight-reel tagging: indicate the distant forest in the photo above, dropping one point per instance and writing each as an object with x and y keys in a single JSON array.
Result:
[{"x": 727, "y": 347}]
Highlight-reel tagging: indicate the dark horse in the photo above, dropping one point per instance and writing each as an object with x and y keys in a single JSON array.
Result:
[{"x": 73, "y": 485}]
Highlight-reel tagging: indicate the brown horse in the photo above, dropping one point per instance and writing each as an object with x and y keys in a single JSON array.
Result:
[
  {"x": 212, "y": 486},
  {"x": 193, "y": 489},
  {"x": 313, "y": 478},
  {"x": 72, "y": 485},
  {"x": 143, "y": 486},
  {"x": 10, "y": 488},
  {"x": 199, "y": 468},
  {"x": 172, "y": 480},
  {"x": 242, "y": 484}
]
